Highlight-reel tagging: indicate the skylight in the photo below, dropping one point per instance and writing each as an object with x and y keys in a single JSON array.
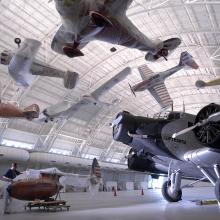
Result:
[
  {"x": 60, "y": 151},
  {"x": 17, "y": 144}
]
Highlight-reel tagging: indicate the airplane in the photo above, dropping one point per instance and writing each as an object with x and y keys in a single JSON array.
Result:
[
  {"x": 179, "y": 145},
  {"x": 43, "y": 184},
  {"x": 202, "y": 84},
  {"x": 103, "y": 20},
  {"x": 90, "y": 103},
  {"x": 24, "y": 68},
  {"x": 8, "y": 110},
  {"x": 155, "y": 83}
]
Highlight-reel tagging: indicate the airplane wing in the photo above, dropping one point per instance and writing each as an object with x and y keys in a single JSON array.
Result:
[
  {"x": 110, "y": 83},
  {"x": 89, "y": 104},
  {"x": 145, "y": 72},
  {"x": 160, "y": 93}
]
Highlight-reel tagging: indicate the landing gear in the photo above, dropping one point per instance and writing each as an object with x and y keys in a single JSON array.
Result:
[
  {"x": 215, "y": 181},
  {"x": 217, "y": 190},
  {"x": 171, "y": 189}
]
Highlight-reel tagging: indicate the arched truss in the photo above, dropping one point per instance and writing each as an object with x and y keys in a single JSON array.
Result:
[{"x": 160, "y": 19}]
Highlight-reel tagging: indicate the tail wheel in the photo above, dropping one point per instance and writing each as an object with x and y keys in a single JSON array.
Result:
[
  {"x": 210, "y": 132},
  {"x": 170, "y": 197}
]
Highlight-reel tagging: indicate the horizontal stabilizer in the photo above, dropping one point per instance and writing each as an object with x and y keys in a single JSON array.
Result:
[{"x": 187, "y": 60}]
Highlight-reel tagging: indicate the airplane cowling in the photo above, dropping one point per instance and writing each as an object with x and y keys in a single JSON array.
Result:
[
  {"x": 29, "y": 190},
  {"x": 208, "y": 134},
  {"x": 139, "y": 164}
]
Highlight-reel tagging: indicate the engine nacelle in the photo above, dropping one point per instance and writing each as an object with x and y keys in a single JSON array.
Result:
[
  {"x": 208, "y": 134},
  {"x": 139, "y": 164},
  {"x": 5, "y": 57}
]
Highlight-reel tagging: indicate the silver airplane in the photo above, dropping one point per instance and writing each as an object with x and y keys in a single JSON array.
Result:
[
  {"x": 155, "y": 83},
  {"x": 104, "y": 20},
  {"x": 89, "y": 103},
  {"x": 180, "y": 145}
]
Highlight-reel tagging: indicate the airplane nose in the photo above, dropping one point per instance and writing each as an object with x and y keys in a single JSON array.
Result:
[{"x": 5, "y": 57}]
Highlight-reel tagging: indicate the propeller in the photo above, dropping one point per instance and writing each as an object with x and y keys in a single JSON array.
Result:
[
  {"x": 212, "y": 118},
  {"x": 132, "y": 90}
]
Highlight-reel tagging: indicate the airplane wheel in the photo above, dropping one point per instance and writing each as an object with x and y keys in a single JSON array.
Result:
[
  {"x": 175, "y": 197},
  {"x": 217, "y": 190},
  {"x": 209, "y": 133},
  {"x": 120, "y": 133}
]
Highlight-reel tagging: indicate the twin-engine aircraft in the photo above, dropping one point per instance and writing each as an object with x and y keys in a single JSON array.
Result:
[
  {"x": 155, "y": 83},
  {"x": 104, "y": 20},
  {"x": 23, "y": 67},
  {"x": 180, "y": 145}
]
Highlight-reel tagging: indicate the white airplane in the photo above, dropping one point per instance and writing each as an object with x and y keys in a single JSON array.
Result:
[
  {"x": 89, "y": 103},
  {"x": 23, "y": 67},
  {"x": 155, "y": 84},
  {"x": 202, "y": 84},
  {"x": 104, "y": 20}
]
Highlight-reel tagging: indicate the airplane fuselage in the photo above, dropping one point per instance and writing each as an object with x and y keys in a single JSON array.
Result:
[{"x": 151, "y": 138}]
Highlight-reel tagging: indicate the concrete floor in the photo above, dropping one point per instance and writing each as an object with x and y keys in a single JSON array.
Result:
[{"x": 126, "y": 206}]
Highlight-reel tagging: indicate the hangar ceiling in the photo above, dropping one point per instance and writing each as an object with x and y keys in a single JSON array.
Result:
[{"x": 196, "y": 22}]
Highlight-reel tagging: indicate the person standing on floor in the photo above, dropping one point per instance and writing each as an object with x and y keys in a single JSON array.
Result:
[{"x": 8, "y": 177}]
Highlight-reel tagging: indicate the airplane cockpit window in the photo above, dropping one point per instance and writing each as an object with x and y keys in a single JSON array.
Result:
[
  {"x": 174, "y": 115},
  {"x": 168, "y": 115}
]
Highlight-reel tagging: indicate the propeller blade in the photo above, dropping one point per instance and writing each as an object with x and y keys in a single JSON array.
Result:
[
  {"x": 214, "y": 117},
  {"x": 132, "y": 89},
  {"x": 184, "y": 131}
]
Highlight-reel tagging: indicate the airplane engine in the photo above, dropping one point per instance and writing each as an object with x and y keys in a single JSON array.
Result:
[
  {"x": 5, "y": 57},
  {"x": 209, "y": 133},
  {"x": 139, "y": 163}
]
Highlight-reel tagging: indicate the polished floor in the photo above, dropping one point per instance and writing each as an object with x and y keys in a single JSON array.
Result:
[{"x": 126, "y": 206}]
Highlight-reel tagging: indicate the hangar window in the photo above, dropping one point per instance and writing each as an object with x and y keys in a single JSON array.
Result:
[
  {"x": 17, "y": 144},
  {"x": 90, "y": 156},
  {"x": 60, "y": 151}
]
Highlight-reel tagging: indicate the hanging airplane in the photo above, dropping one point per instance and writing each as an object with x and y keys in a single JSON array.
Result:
[
  {"x": 8, "y": 110},
  {"x": 155, "y": 83},
  {"x": 43, "y": 184},
  {"x": 180, "y": 145},
  {"x": 23, "y": 67},
  {"x": 202, "y": 84},
  {"x": 103, "y": 20},
  {"x": 89, "y": 103}
]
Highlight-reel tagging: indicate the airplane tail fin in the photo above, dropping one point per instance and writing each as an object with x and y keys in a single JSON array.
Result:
[
  {"x": 96, "y": 169},
  {"x": 95, "y": 177},
  {"x": 187, "y": 60}
]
